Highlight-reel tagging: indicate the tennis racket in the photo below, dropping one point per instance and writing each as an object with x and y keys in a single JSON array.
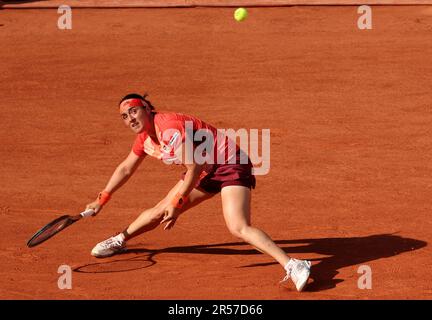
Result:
[{"x": 56, "y": 226}]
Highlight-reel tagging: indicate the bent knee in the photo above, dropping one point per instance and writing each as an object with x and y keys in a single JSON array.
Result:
[{"x": 238, "y": 231}]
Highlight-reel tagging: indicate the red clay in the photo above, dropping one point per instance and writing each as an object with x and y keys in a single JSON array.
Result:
[{"x": 351, "y": 173}]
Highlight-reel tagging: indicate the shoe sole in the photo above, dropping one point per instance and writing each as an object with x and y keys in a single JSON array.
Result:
[{"x": 108, "y": 255}]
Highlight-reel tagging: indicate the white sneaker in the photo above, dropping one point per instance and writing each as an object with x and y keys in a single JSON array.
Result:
[
  {"x": 109, "y": 247},
  {"x": 298, "y": 271}
]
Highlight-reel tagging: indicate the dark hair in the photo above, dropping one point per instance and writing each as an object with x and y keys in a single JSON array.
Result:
[{"x": 137, "y": 96}]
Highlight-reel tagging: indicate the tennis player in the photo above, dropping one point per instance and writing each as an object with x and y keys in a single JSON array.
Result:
[{"x": 226, "y": 169}]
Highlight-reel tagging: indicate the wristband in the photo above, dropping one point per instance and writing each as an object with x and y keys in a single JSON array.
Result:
[
  {"x": 103, "y": 197},
  {"x": 179, "y": 201}
]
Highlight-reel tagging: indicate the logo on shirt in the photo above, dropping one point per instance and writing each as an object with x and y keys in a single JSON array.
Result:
[
  {"x": 169, "y": 148},
  {"x": 174, "y": 138}
]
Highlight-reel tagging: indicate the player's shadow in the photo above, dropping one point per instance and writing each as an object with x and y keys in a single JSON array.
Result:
[
  {"x": 338, "y": 252},
  {"x": 2, "y": 3},
  {"x": 346, "y": 252}
]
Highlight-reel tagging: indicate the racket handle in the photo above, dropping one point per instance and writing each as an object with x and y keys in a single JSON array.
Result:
[{"x": 87, "y": 213}]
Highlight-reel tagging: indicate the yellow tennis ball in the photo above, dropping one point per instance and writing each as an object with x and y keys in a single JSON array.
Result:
[{"x": 240, "y": 14}]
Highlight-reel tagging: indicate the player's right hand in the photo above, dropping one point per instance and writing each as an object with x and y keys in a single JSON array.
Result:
[{"x": 95, "y": 206}]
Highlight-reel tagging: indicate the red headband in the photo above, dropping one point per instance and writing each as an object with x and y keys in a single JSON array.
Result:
[{"x": 125, "y": 105}]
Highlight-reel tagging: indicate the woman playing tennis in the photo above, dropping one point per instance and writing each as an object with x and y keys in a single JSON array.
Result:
[{"x": 226, "y": 169}]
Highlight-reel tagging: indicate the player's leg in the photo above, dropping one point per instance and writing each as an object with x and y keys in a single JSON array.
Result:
[
  {"x": 151, "y": 218},
  {"x": 146, "y": 221},
  {"x": 236, "y": 210}
]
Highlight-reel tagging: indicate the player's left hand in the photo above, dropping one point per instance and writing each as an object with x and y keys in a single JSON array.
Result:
[{"x": 170, "y": 215}]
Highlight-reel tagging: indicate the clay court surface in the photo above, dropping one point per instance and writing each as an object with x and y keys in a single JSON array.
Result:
[{"x": 350, "y": 116}]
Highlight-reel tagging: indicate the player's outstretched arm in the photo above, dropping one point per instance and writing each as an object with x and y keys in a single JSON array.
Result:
[{"x": 121, "y": 174}]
